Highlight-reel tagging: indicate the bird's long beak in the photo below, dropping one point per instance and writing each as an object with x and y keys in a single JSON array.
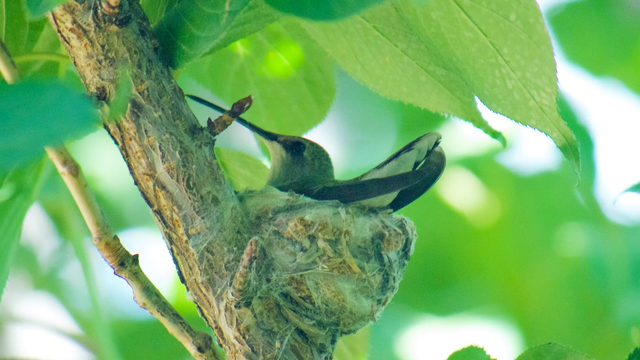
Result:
[{"x": 267, "y": 135}]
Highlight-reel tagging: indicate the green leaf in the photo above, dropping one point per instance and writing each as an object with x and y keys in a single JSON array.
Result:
[
  {"x": 155, "y": 9},
  {"x": 551, "y": 351},
  {"x": 441, "y": 55},
  {"x": 322, "y": 10},
  {"x": 635, "y": 355},
  {"x": 245, "y": 171},
  {"x": 37, "y": 9},
  {"x": 35, "y": 30},
  {"x": 601, "y": 36},
  {"x": 504, "y": 53},
  {"x": 17, "y": 191},
  {"x": 290, "y": 77},
  {"x": 633, "y": 188},
  {"x": 34, "y": 114},
  {"x": 388, "y": 49},
  {"x": 353, "y": 347},
  {"x": 14, "y": 26},
  {"x": 192, "y": 27},
  {"x": 3, "y": 19},
  {"x": 41, "y": 59},
  {"x": 470, "y": 353},
  {"x": 254, "y": 17}
]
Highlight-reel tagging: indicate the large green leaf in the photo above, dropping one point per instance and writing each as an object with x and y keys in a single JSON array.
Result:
[
  {"x": 503, "y": 51},
  {"x": 192, "y": 27},
  {"x": 17, "y": 191},
  {"x": 601, "y": 36},
  {"x": 322, "y": 10},
  {"x": 290, "y": 77},
  {"x": 34, "y": 114},
  {"x": 551, "y": 351},
  {"x": 440, "y": 55},
  {"x": 469, "y": 353},
  {"x": 387, "y": 49}
]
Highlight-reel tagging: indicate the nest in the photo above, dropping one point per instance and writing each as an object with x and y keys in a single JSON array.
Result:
[{"x": 322, "y": 269}]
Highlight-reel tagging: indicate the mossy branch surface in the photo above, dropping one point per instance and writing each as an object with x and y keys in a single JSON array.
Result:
[{"x": 275, "y": 275}]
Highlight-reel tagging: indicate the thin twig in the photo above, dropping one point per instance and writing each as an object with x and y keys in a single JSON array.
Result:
[{"x": 125, "y": 265}]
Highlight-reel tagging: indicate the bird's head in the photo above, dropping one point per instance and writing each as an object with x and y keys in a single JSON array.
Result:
[{"x": 297, "y": 164}]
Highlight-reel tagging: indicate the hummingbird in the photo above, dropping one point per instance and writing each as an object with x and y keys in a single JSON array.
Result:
[{"x": 304, "y": 167}]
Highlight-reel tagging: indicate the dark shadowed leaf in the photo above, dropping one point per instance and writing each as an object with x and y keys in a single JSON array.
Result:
[
  {"x": 34, "y": 114},
  {"x": 254, "y": 17},
  {"x": 322, "y": 10},
  {"x": 469, "y": 353},
  {"x": 551, "y": 351},
  {"x": 192, "y": 27}
]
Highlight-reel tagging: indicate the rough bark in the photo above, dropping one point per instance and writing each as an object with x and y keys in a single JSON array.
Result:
[{"x": 275, "y": 275}]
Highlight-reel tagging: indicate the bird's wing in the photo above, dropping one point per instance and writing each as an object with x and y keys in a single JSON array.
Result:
[
  {"x": 433, "y": 168},
  {"x": 406, "y": 159},
  {"x": 416, "y": 182}
]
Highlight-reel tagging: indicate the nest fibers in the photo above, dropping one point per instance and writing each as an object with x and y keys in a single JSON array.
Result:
[{"x": 321, "y": 269}]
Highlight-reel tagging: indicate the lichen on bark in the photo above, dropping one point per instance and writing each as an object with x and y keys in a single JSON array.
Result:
[{"x": 275, "y": 275}]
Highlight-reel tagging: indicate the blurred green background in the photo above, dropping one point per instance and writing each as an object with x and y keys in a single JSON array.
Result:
[{"x": 503, "y": 260}]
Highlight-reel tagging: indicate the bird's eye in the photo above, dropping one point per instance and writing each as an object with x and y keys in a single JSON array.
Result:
[{"x": 298, "y": 147}]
